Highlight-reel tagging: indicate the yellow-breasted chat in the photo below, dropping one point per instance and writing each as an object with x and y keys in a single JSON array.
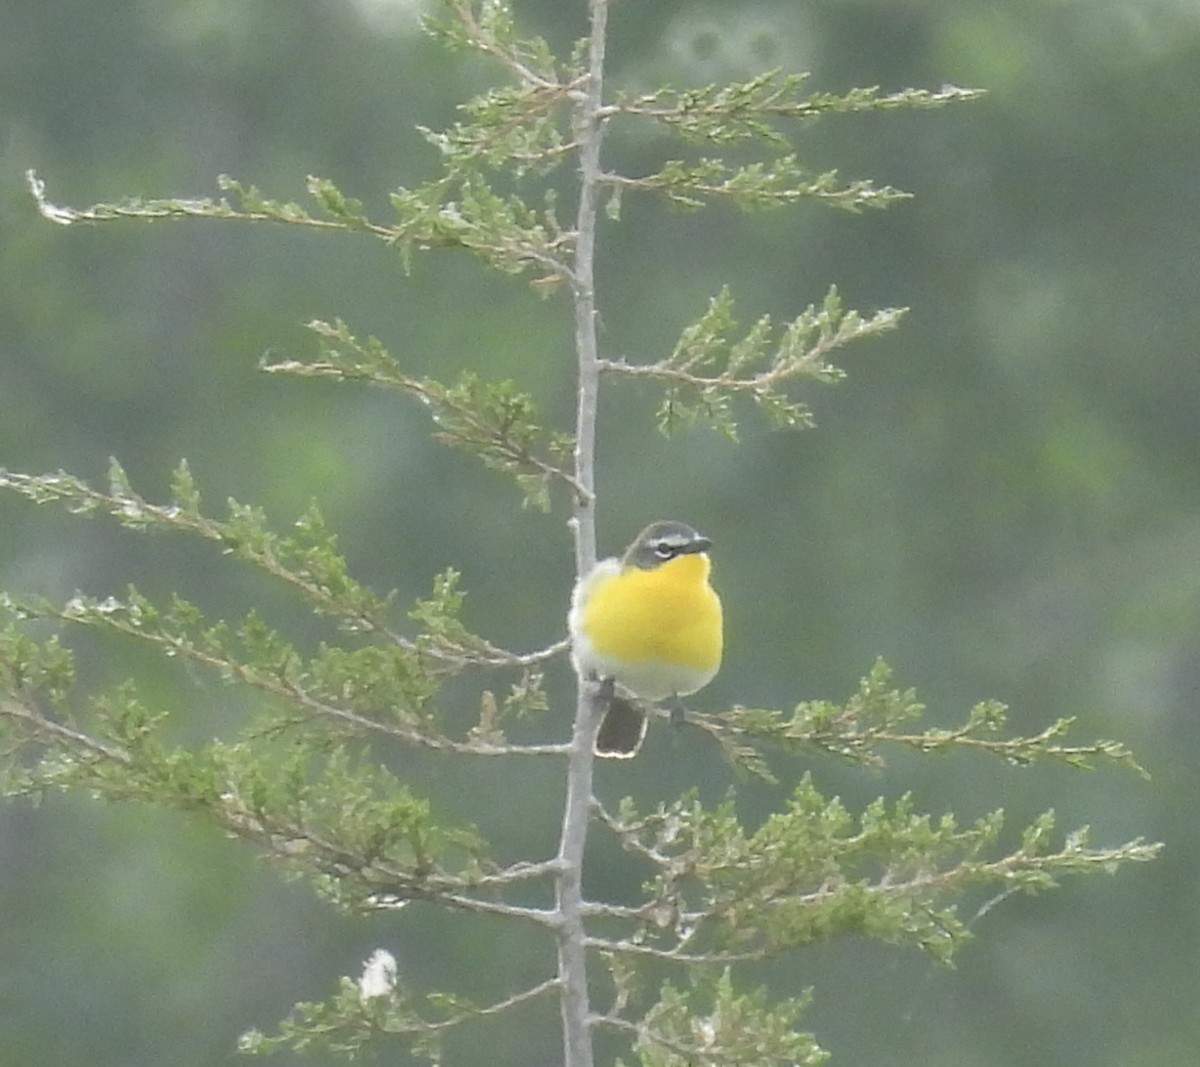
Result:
[{"x": 649, "y": 622}]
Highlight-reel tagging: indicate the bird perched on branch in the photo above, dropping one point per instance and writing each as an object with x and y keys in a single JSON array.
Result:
[{"x": 648, "y": 623}]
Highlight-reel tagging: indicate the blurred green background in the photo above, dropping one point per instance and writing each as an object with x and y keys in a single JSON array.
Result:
[{"x": 1001, "y": 500}]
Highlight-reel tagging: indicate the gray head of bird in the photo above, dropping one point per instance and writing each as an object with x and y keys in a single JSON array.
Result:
[{"x": 661, "y": 542}]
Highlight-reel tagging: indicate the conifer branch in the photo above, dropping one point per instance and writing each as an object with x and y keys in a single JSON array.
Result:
[
  {"x": 742, "y": 110},
  {"x": 275, "y": 668},
  {"x": 491, "y": 420},
  {"x": 468, "y": 1012},
  {"x": 707, "y": 367},
  {"x": 874, "y": 718},
  {"x": 36, "y": 726},
  {"x": 777, "y": 183},
  {"x": 514, "y": 127},
  {"x": 722, "y": 894},
  {"x": 491, "y": 31},
  {"x": 360, "y": 1014},
  {"x": 632, "y": 948},
  {"x": 711, "y": 1023},
  {"x": 307, "y": 561},
  {"x": 254, "y": 209},
  {"x": 503, "y": 231},
  {"x": 365, "y": 874}
]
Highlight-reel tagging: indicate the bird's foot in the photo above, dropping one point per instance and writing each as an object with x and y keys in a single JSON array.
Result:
[{"x": 676, "y": 712}]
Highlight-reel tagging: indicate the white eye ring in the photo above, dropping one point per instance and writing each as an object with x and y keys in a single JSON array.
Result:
[{"x": 663, "y": 550}]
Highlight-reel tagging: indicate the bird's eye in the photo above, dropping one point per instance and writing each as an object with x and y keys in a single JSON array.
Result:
[{"x": 663, "y": 550}]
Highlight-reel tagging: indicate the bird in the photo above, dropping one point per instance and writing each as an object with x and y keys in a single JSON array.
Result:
[{"x": 648, "y": 622}]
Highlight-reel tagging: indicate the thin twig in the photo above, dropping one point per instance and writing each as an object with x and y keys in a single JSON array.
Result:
[
  {"x": 48, "y": 728},
  {"x": 497, "y": 1008},
  {"x": 675, "y": 955}
]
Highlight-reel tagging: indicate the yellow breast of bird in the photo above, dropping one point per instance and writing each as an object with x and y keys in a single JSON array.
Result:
[{"x": 669, "y": 614}]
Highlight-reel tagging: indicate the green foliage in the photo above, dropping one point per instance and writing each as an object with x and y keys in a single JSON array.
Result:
[
  {"x": 525, "y": 129},
  {"x": 307, "y": 560},
  {"x": 815, "y": 871},
  {"x": 247, "y": 205},
  {"x": 488, "y": 27},
  {"x": 493, "y": 421},
  {"x": 713, "y": 1023},
  {"x": 27, "y": 666},
  {"x": 751, "y": 110},
  {"x": 707, "y": 369},
  {"x": 302, "y": 795},
  {"x": 387, "y": 686},
  {"x": 363, "y": 1012},
  {"x": 877, "y": 715},
  {"x": 300, "y": 786},
  {"x": 758, "y": 185}
]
